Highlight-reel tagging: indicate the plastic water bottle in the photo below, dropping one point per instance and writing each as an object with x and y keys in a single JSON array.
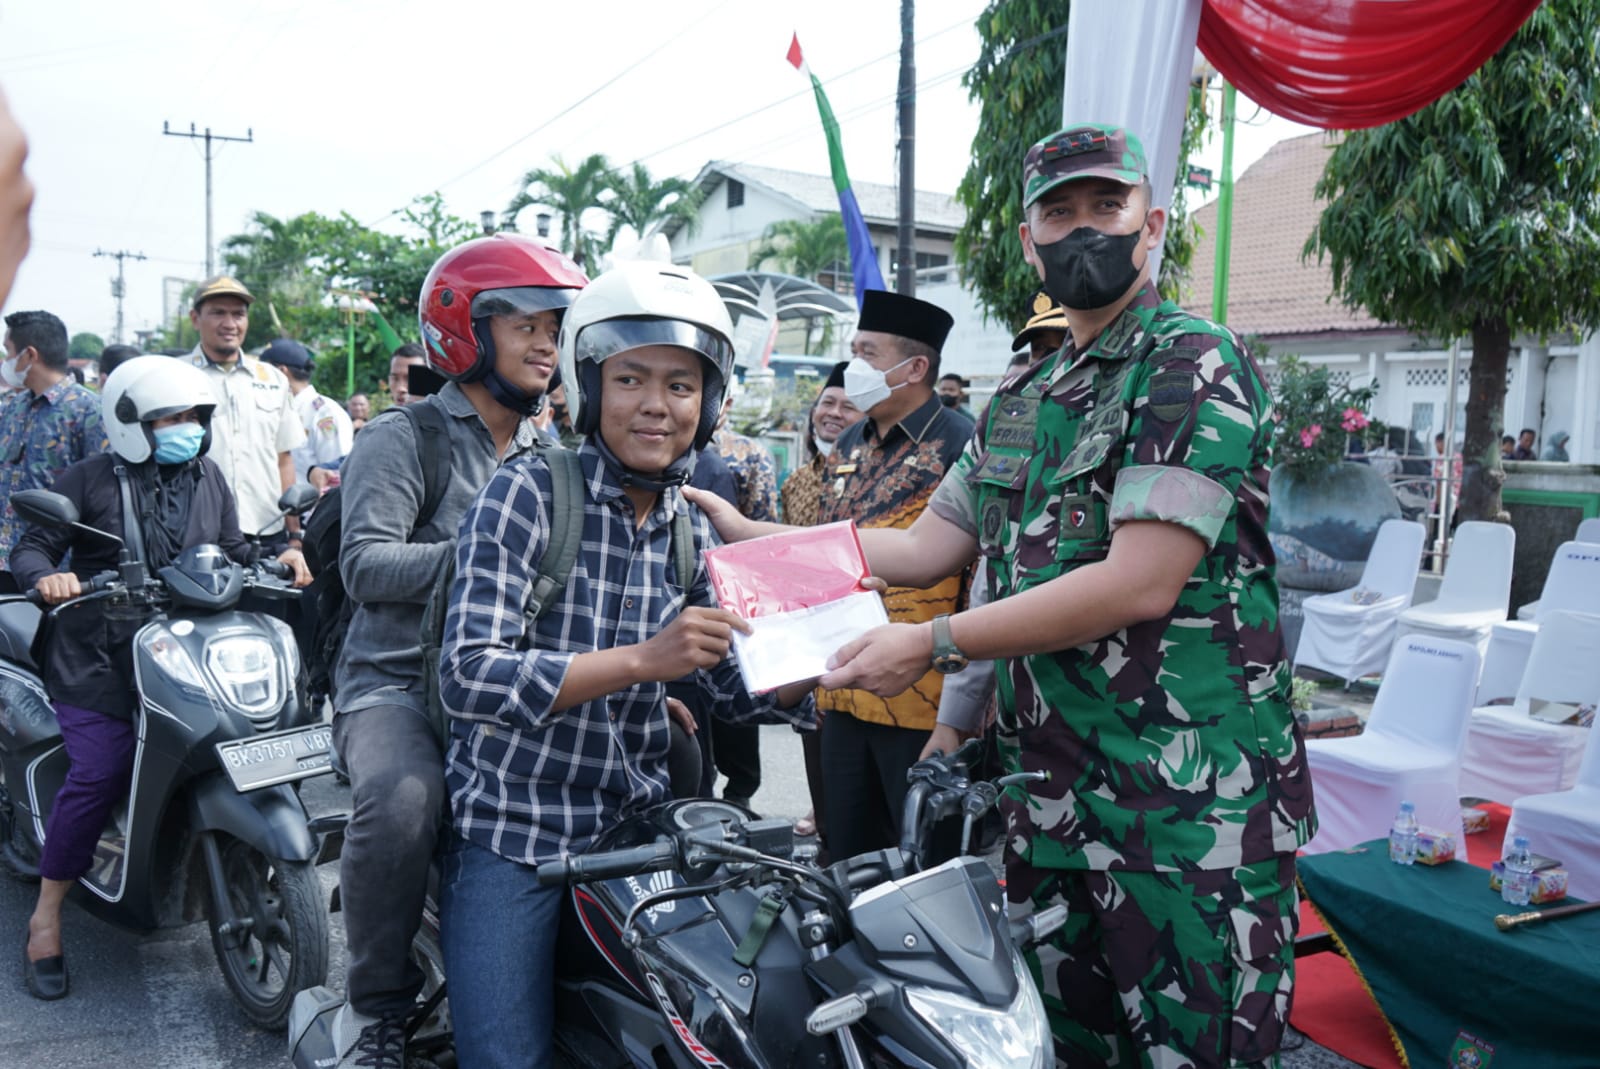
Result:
[
  {"x": 1403, "y": 836},
  {"x": 1516, "y": 883}
]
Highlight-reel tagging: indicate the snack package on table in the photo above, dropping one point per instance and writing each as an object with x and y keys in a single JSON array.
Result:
[
  {"x": 1549, "y": 879},
  {"x": 802, "y": 593},
  {"x": 1476, "y": 820},
  {"x": 1435, "y": 847}
]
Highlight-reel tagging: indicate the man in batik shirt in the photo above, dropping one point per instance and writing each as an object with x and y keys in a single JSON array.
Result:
[{"x": 47, "y": 421}]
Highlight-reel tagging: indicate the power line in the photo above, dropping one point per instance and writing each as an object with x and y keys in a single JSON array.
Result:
[
  {"x": 118, "y": 286},
  {"x": 602, "y": 87},
  {"x": 208, "y": 137}
]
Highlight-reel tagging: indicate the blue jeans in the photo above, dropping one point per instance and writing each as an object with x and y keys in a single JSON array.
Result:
[{"x": 499, "y": 930}]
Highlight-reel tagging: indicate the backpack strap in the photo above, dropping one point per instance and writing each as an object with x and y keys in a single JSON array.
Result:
[
  {"x": 432, "y": 432},
  {"x": 566, "y": 528},
  {"x": 683, "y": 549}
]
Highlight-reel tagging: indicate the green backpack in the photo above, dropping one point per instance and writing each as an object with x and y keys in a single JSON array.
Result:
[{"x": 555, "y": 567}]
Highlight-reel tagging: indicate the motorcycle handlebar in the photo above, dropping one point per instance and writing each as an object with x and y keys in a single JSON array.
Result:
[
  {"x": 95, "y": 584},
  {"x": 275, "y": 568},
  {"x": 608, "y": 864}
]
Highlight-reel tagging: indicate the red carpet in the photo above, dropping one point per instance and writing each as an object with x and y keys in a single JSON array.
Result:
[{"x": 1332, "y": 1007}]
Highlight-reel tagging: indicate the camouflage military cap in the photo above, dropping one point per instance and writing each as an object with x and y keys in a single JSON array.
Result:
[{"x": 1093, "y": 150}]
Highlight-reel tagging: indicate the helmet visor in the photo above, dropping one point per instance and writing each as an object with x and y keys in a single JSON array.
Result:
[
  {"x": 521, "y": 301},
  {"x": 598, "y": 341}
]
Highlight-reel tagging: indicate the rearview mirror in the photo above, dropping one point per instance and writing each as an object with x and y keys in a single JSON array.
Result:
[
  {"x": 46, "y": 508},
  {"x": 298, "y": 498}
]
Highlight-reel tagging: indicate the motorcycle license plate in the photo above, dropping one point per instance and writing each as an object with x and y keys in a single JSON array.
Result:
[{"x": 283, "y": 756}]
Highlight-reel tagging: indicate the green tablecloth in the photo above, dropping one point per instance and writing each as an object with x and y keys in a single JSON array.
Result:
[{"x": 1456, "y": 990}]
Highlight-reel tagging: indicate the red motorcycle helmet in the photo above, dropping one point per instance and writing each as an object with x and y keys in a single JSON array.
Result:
[{"x": 502, "y": 274}]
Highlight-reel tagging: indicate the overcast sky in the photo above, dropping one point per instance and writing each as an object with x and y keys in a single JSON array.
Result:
[{"x": 360, "y": 105}]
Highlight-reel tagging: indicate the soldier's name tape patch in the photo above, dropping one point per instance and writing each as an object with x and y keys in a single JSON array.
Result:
[{"x": 1013, "y": 422}]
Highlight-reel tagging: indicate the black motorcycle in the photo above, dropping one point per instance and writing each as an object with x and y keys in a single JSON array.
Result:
[
  {"x": 212, "y": 825},
  {"x": 696, "y": 935}
]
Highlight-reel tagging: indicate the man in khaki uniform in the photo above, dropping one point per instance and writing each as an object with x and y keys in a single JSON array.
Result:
[{"x": 255, "y": 425}]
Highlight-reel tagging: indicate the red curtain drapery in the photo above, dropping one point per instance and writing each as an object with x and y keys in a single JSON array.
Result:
[{"x": 1349, "y": 64}]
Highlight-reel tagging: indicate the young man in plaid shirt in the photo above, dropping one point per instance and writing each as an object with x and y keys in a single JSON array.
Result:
[{"x": 558, "y": 733}]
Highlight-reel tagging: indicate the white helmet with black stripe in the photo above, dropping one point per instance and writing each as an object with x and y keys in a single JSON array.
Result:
[
  {"x": 149, "y": 388},
  {"x": 639, "y": 303}
]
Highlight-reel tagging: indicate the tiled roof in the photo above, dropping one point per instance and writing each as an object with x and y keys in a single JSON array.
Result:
[
  {"x": 1271, "y": 291},
  {"x": 879, "y": 203}
]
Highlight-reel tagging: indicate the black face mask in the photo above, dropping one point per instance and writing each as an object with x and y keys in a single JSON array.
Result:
[
  {"x": 948, "y": 400},
  {"x": 1087, "y": 269}
]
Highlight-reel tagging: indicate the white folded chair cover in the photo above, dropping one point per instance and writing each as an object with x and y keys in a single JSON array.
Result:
[
  {"x": 1509, "y": 754},
  {"x": 1475, "y": 591},
  {"x": 1410, "y": 749},
  {"x": 1566, "y": 825},
  {"x": 1351, "y": 640},
  {"x": 1572, "y": 584},
  {"x": 1588, "y": 531}
]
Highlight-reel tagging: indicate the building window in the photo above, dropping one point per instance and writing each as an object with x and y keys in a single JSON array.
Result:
[
  {"x": 925, "y": 261},
  {"x": 735, "y": 193},
  {"x": 838, "y": 277}
]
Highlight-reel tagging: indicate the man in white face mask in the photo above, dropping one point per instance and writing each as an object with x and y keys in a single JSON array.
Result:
[
  {"x": 881, "y": 474},
  {"x": 47, "y": 421}
]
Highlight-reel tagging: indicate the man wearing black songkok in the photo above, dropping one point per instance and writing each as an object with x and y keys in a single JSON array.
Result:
[{"x": 881, "y": 474}]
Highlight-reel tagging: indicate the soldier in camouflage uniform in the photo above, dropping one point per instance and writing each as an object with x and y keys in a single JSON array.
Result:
[{"x": 1116, "y": 493}]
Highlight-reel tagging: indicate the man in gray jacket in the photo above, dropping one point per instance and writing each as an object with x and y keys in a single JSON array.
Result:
[{"x": 491, "y": 310}]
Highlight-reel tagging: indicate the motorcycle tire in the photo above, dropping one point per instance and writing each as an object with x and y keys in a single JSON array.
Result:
[{"x": 285, "y": 947}]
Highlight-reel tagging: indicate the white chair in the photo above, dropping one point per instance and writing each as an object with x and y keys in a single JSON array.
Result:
[
  {"x": 1476, "y": 588},
  {"x": 1409, "y": 751},
  {"x": 1352, "y": 640},
  {"x": 1573, "y": 585},
  {"x": 1588, "y": 531},
  {"x": 1510, "y": 754},
  {"x": 1566, "y": 824}
]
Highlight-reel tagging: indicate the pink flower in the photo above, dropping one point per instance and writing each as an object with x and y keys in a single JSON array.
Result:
[
  {"x": 1309, "y": 436},
  {"x": 1353, "y": 420}
]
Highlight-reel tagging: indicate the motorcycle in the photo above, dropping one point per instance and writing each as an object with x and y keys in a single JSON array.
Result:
[
  {"x": 694, "y": 934},
  {"x": 212, "y": 825}
]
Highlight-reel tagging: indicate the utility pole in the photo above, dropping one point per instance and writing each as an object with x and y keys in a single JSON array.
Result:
[
  {"x": 208, "y": 137},
  {"x": 905, "y": 279},
  {"x": 118, "y": 288}
]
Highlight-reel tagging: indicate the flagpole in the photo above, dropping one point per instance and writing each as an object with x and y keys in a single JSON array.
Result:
[{"x": 1222, "y": 264}]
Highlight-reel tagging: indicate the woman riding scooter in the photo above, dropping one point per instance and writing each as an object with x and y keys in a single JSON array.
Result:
[{"x": 157, "y": 415}]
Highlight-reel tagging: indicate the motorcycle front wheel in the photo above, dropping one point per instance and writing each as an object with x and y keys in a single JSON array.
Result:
[{"x": 280, "y": 945}]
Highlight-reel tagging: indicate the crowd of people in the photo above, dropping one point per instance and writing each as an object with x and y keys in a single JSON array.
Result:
[{"x": 1081, "y": 571}]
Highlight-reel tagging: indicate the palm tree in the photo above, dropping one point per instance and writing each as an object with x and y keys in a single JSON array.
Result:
[
  {"x": 801, "y": 247},
  {"x": 571, "y": 191},
  {"x": 639, "y": 202}
]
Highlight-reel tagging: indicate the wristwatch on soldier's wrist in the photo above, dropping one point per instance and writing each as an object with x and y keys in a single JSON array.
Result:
[{"x": 947, "y": 656}]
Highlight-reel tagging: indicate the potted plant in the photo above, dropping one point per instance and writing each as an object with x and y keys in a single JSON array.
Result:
[{"x": 1326, "y": 506}]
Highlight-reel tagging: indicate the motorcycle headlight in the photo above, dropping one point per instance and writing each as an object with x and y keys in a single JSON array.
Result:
[
  {"x": 246, "y": 668},
  {"x": 1011, "y": 1037},
  {"x": 288, "y": 649}
]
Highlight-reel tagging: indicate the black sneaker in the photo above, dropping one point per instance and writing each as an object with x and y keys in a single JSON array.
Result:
[{"x": 381, "y": 1045}]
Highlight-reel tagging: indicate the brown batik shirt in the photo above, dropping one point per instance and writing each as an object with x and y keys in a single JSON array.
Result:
[{"x": 886, "y": 482}]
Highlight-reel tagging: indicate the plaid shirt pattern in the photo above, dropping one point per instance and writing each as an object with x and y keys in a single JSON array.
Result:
[{"x": 532, "y": 784}]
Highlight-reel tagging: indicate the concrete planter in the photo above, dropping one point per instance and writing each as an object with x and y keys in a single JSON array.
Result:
[{"x": 1323, "y": 523}]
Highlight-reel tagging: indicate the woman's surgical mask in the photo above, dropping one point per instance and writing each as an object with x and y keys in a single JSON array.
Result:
[
  {"x": 178, "y": 443},
  {"x": 866, "y": 386}
]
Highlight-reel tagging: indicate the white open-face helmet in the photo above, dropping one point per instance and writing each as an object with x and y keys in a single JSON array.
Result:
[
  {"x": 149, "y": 388},
  {"x": 639, "y": 303}
]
